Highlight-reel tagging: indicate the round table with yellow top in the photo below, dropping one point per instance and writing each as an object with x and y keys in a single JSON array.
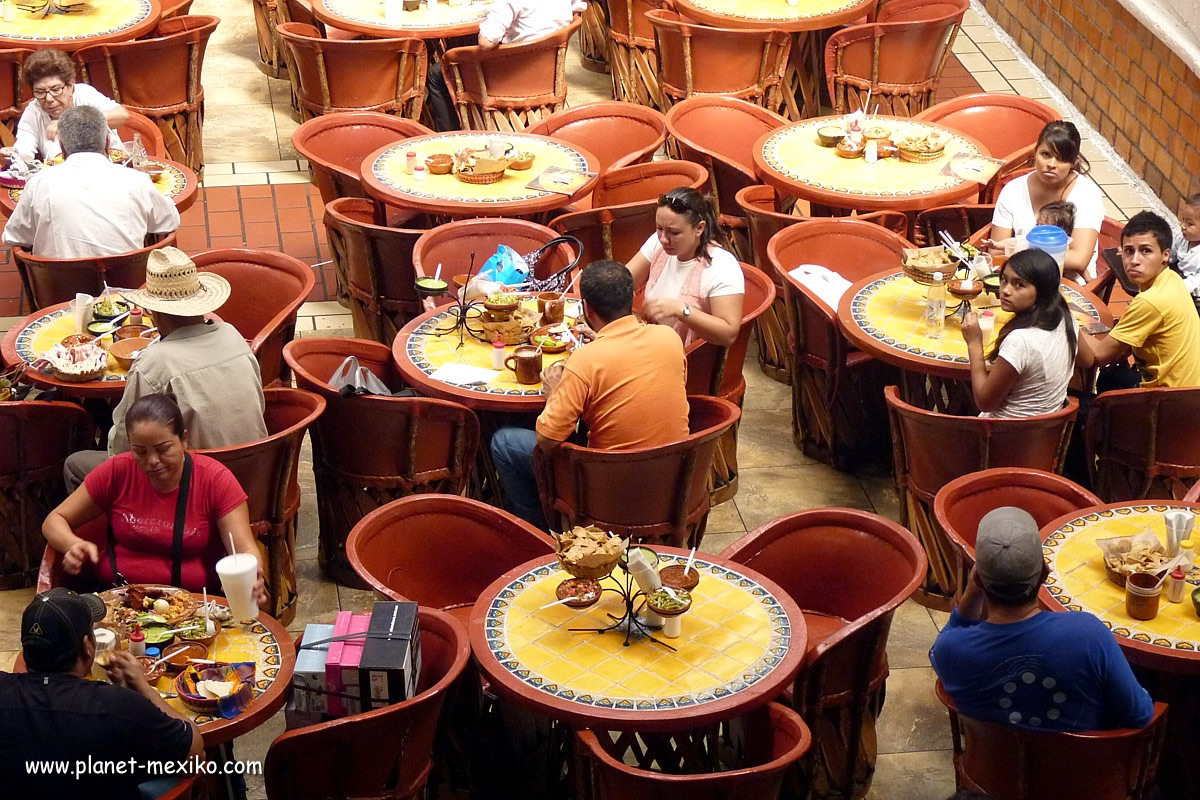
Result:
[
  {"x": 741, "y": 644},
  {"x": 793, "y": 160},
  {"x": 437, "y": 19},
  {"x": 70, "y": 25},
  {"x": 809, "y": 22},
  {"x": 172, "y": 180},
  {"x": 28, "y": 341},
  {"x": 385, "y": 176}
]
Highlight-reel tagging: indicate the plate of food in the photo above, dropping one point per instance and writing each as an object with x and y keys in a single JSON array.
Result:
[
  {"x": 149, "y": 604},
  {"x": 1125, "y": 555},
  {"x": 554, "y": 338}
]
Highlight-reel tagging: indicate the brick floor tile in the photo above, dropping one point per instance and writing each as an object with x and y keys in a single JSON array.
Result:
[
  {"x": 193, "y": 216},
  {"x": 291, "y": 196},
  {"x": 225, "y": 223},
  {"x": 301, "y": 246},
  {"x": 192, "y": 238},
  {"x": 262, "y": 234},
  {"x": 296, "y": 220},
  {"x": 255, "y": 191},
  {"x": 222, "y": 198},
  {"x": 219, "y": 242},
  {"x": 258, "y": 209}
]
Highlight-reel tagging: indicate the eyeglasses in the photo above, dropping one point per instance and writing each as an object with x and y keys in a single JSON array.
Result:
[{"x": 53, "y": 91}]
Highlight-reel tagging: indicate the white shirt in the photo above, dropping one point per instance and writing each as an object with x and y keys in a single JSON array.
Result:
[
  {"x": 721, "y": 277},
  {"x": 1189, "y": 262},
  {"x": 1044, "y": 365},
  {"x": 31, "y": 130},
  {"x": 510, "y": 21},
  {"x": 87, "y": 207},
  {"x": 1015, "y": 210}
]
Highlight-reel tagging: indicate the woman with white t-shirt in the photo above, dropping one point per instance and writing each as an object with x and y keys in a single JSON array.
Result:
[
  {"x": 1059, "y": 173},
  {"x": 50, "y": 76},
  {"x": 691, "y": 282},
  {"x": 1032, "y": 361}
]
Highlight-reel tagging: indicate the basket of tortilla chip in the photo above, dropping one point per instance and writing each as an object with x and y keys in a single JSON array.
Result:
[
  {"x": 78, "y": 364},
  {"x": 513, "y": 328},
  {"x": 589, "y": 552},
  {"x": 919, "y": 263},
  {"x": 1125, "y": 555},
  {"x": 223, "y": 690}
]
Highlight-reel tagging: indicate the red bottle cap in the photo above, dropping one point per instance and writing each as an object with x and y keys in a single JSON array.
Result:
[
  {"x": 137, "y": 634},
  {"x": 1178, "y": 574}
]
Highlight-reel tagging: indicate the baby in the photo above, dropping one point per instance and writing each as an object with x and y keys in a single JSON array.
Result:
[
  {"x": 1060, "y": 214},
  {"x": 1186, "y": 247}
]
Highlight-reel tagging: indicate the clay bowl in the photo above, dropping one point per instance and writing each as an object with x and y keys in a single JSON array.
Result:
[
  {"x": 848, "y": 149},
  {"x": 955, "y": 287},
  {"x": 674, "y": 577},
  {"x": 670, "y": 612},
  {"x": 178, "y": 655},
  {"x": 130, "y": 332},
  {"x": 206, "y": 639},
  {"x": 830, "y": 135},
  {"x": 155, "y": 672},
  {"x": 439, "y": 164},
  {"x": 124, "y": 351},
  {"x": 583, "y": 592}
]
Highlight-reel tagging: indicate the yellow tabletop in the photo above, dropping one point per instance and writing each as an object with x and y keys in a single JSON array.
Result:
[
  {"x": 775, "y": 10},
  {"x": 735, "y": 634},
  {"x": 170, "y": 182},
  {"x": 1079, "y": 582},
  {"x": 430, "y": 16},
  {"x": 50, "y": 329},
  {"x": 86, "y": 21}
]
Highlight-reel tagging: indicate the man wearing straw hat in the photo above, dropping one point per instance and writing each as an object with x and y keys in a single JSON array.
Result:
[{"x": 205, "y": 365}]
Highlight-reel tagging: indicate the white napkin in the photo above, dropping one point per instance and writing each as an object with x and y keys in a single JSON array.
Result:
[
  {"x": 464, "y": 374},
  {"x": 83, "y": 310},
  {"x": 823, "y": 282}
]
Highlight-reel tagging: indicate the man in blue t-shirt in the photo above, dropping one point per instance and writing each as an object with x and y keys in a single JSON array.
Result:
[{"x": 1002, "y": 659}]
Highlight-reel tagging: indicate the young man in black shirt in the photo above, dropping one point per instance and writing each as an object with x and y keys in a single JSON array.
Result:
[{"x": 52, "y": 716}]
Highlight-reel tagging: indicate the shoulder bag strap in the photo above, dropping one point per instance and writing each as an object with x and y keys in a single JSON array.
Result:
[{"x": 181, "y": 501}]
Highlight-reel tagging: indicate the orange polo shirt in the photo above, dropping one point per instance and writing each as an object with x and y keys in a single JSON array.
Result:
[{"x": 627, "y": 385}]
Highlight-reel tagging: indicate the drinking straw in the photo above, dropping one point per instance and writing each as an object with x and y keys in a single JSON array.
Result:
[
  {"x": 688, "y": 567},
  {"x": 437, "y": 273},
  {"x": 571, "y": 285},
  {"x": 206, "y": 620},
  {"x": 232, "y": 546},
  {"x": 867, "y": 102}
]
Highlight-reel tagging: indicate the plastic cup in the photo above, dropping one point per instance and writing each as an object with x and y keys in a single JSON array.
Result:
[{"x": 238, "y": 573}]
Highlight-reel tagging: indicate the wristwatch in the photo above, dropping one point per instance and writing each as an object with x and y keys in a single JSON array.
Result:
[{"x": 687, "y": 311}]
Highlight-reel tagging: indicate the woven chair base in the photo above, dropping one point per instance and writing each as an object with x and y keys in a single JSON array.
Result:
[
  {"x": 183, "y": 135},
  {"x": 593, "y": 38},
  {"x": 771, "y": 331},
  {"x": 941, "y": 580},
  {"x": 270, "y": 54},
  {"x": 853, "y": 429},
  {"x": 23, "y": 506},
  {"x": 278, "y": 549},
  {"x": 504, "y": 120},
  {"x": 635, "y": 75},
  {"x": 898, "y": 103},
  {"x": 822, "y": 774},
  {"x": 723, "y": 478}
]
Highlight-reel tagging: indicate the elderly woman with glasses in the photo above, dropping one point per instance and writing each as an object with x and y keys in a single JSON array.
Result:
[
  {"x": 50, "y": 76},
  {"x": 691, "y": 282}
]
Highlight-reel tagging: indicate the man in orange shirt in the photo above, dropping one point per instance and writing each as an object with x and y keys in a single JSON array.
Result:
[{"x": 627, "y": 385}]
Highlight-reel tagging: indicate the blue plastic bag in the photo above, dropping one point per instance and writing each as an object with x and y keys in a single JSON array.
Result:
[{"x": 505, "y": 266}]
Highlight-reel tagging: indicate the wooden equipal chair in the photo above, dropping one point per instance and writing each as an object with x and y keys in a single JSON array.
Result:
[
  {"x": 159, "y": 77},
  {"x": 616, "y": 233},
  {"x": 1003, "y": 123},
  {"x": 593, "y": 37},
  {"x": 402, "y": 551},
  {"x": 453, "y": 244},
  {"x": 13, "y": 93},
  {"x": 331, "y": 75},
  {"x": 267, "y": 291},
  {"x": 642, "y": 183},
  {"x": 336, "y": 144},
  {"x": 1011, "y": 762},
  {"x": 38, "y": 437},
  {"x": 270, "y": 55},
  {"x": 632, "y": 58},
  {"x": 47, "y": 281},
  {"x": 652, "y": 494},
  {"x": 1110, "y": 236},
  {"x": 1143, "y": 443},
  {"x": 837, "y": 412},
  {"x": 374, "y": 267},
  {"x": 431, "y": 443},
  {"x": 175, "y": 8},
  {"x": 695, "y": 59},
  {"x": 510, "y": 87},
  {"x": 819, "y": 557},
  {"x": 775, "y": 739},
  {"x": 899, "y": 58},
  {"x": 387, "y": 752},
  {"x": 961, "y": 220},
  {"x": 960, "y": 504},
  {"x": 152, "y": 138},
  {"x": 617, "y": 134},
  {"x": 930, "y": 449},
  {"x": 266, "y": 470}
]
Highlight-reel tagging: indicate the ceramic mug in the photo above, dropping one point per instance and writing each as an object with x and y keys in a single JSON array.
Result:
[
  {"x": 552, "y": 306},
  {"x": 526, "y": 364}
]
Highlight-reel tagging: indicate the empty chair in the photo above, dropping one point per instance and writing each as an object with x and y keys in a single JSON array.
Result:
[
  {"x": 1142, "y": 443},
  {"x": 1110, "y": 236},
  {"x": 632, "y": 58},
  {"x": 267, "y": 289},
  {"x": 152, "y": 138},
  {"x": 593, "y": 37},
  {"x": 652, "y": 494},
  {"x": 329, "y": 75},
  {"x": 924, "y": 464},
  {"x": 452, "y": 245},
  {"x": 776, "y": 738},
  {"x": 616, "y": 233},
  {"x": 510, "y": 87},
  {"x": 430, "y": 448},
  {"x": 440, "y": 550},
  {"x": 1014, "y": 762},
  {"x": 385, "y": 752},
  {"x": 375, "y": 268},
  {"x": 336, "y": 144},
  {"x": 617, "y": 134},
  {"x": 159, "y": 77},
  {"x": 175, "y": 8},
  {"x": 38, "y": 437},
  {"x": 1003, "y": 123},
  {"x": 270, "y": 59},
  {"x": 47, "y": 281},
  {"x": 899, "y": 58},
  {"x": 960, "y": 504},
  {"x": 13, "y": 93},
  {"x": 695, "y": 59},
  {"x": 820, "y": 557},
  {"x": 641, "y": 183},
  {"x": 837, "y": 412}
]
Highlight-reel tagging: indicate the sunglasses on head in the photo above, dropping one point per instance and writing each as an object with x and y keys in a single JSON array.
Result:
[{"x": 677, "y": 204}]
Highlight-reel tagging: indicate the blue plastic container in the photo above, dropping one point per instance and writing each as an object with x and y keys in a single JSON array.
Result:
[{"x": 1052, "y": 239}]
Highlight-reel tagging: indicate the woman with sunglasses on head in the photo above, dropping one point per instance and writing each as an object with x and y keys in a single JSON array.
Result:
[
  {"x": 691, "y": 282},
  {"x": 50, "y": 76}
]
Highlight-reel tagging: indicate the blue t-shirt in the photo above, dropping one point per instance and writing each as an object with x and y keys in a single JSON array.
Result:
[{"x": 1056, "y": 671}]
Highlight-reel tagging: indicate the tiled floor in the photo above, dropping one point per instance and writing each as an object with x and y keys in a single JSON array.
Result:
[{"x": 254, "y": 196}]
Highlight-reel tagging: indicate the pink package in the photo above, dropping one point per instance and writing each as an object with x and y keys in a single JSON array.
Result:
[{"x": 341, "y": 665}]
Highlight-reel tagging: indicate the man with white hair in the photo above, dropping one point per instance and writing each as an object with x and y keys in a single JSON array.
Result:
[{"x": 1002, "y": 659}]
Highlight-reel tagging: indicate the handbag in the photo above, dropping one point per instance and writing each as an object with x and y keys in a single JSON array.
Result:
[
  {"x": 352, "y": 378},
  {"x": 558, "y": 281}
]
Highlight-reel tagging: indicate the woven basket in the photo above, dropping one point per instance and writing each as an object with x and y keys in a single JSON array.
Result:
[
  {"x": 921, "y": 157},
  {"x": 596, "y": 573},
  {"x": 79, "y": 377},
  {"x": 480, "y": 178},
  {"x": 924, "y": 275}
]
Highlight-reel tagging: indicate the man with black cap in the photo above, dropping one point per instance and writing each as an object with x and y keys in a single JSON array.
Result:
[
  {"x": 1002, "y": 659},
  {"x": 99, "y": 735}
]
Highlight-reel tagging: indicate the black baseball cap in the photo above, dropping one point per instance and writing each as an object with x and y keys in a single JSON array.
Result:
[{"x": 53, "y": 625}]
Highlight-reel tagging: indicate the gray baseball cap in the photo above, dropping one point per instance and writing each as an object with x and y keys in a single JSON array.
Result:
[{"x": 1008, "y": 552}]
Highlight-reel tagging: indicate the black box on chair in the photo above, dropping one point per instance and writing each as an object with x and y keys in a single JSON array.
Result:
[{"x": 391, "y": 658}]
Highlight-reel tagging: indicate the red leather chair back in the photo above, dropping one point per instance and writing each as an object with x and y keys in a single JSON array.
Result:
[
  {"x": 388, "y": 751},
  {"x": 176, "y": 9},
  {"x": 452, "y": 244},
  {"x": 645, "y": 182},
  {"x": 336, "y": 144},
  {"x": 1003, "y": 123},
  {"x": 1143, "y": 443},
  {"x": 152, "y": 138},
  {"x": 49, "y": 281},
  {"x": 617, "y": 134},
  {"x": 629, "y": 24},
  {"x": 716, "y": 370},
  {"x": 612, "y": 232}
]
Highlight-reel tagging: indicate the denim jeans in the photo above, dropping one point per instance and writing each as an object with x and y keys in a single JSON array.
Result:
[{"x": 512, "y": 453}]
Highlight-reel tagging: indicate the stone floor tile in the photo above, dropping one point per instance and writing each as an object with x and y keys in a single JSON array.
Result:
[
  {"x": 975, "y": 62},
  {"x": 8, "y": 659},
  {"x": 1028, "y": 87},
  {"x": 912, "y": 720},
  {"x": 12, "y": 606},
  {"x": 289, "y": 177},
  {"x": 996, "y": 51},
  {"x": 990, "y": 81},
  {"x": 714, "y": 543},
  {"x": 913, "y": 776},
  {"x": 963, "y": 44},
  {"x": 763, "y": 391},
  {"x": 240, "y": 133},
  {"x": 911, "y": 637},
  {"x": 764, "y": 440},
  {"x": 318, "y": 596},
  {"x": 332, "y": 322},
  {"x": 767, "y": 493},
  {"x": 246, "y": 90},
  {"x": 356, "y": 600},
  {"x": 725, "y": 518},
  {"x": 283, "y": 165},
  {"x": 979, "y": 33},
  {"x": 1012, "y": 69}
]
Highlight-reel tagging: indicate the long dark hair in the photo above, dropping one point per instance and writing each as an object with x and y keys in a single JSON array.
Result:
[
  {"x": 1062, "y": 138},
  {"x": 1049, "y": 309},
  {"x": 160, "y": 408},
  {"x": 695, "y": 208}
]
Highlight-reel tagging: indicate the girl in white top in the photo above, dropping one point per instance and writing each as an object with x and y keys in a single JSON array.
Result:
[
  {"x": 1059, "y": 173},
  {"x": 50, "y": 76},
  {"x": 1031, "y": 363},
  {"x": 691, "y": 282}
]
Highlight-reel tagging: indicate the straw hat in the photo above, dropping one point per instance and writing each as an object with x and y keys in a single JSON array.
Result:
[{"x": 173, "y": 286}]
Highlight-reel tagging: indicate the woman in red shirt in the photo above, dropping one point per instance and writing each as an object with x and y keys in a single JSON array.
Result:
[{"x": 151, "y": 538}]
